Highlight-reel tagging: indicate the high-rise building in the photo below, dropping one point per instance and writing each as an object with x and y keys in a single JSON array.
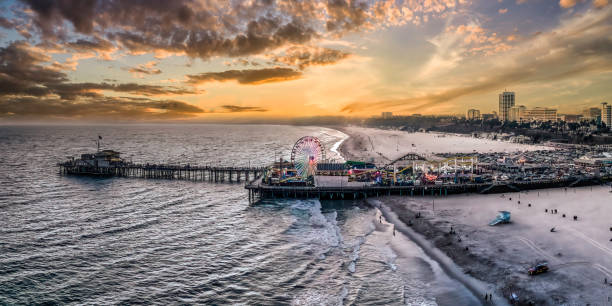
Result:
[
  {"x": 473, "y": 114},
  {"x": 606, "y": 114},
  {"x": 506, "y": 101}
]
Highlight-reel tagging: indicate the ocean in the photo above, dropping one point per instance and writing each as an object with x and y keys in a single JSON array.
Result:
[{"x": 83, "y": 240}]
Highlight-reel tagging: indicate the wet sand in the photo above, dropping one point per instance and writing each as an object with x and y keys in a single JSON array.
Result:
[{"x": 579, "y": 253}]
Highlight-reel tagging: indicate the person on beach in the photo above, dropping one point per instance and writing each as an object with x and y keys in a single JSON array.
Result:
[{"x": 394, "y": 230}]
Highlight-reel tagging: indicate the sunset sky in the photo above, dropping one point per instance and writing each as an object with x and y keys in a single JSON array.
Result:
[{"x": 210, "y": 59}]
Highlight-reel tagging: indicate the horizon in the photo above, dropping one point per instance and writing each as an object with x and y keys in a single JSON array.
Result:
[{"x": 260, "y": 61}]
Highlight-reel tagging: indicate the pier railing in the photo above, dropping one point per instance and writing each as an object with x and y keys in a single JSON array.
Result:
[
  {"x": 165, "y": 171},
  {"x": 259, "y": 191}
]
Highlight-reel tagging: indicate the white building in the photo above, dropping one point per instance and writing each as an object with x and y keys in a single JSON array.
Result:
[
  {"x": 522, "y": 114},
  {"x": 506, "y": 101},
  {"x": 606, "y": 114},
  {"x": 516, "y": 113}
]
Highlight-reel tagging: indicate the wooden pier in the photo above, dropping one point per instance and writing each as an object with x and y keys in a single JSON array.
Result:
[
  {"x": 258, "y": 190},
  {"x": 176, "y": 172}
]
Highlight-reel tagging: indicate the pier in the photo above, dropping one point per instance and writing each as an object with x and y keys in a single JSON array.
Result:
[
  {"x": 163, "y": 171},
  {"x": 258, "y": 191}
]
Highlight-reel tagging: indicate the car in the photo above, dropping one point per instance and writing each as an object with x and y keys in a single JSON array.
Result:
[{"x": 538, "y": 269}]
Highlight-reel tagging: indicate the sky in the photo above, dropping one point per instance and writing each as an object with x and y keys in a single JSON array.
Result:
[{"x": 199, "y": 60}]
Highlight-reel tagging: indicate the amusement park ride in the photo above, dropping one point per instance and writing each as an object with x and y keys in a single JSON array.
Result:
[{"x": 308, "y": 160}]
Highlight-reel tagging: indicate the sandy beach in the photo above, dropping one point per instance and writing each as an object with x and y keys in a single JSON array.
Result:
[
  {"x": 578, "y": 252},
  {"x": 382, "y": 146}
]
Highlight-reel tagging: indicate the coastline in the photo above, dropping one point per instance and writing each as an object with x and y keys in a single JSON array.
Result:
[
  {"x": 494, "y": 258},
  {"x": 400, "y": 221}
]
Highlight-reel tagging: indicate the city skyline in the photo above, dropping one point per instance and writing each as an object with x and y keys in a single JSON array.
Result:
[{"x": 214, "y": 60}]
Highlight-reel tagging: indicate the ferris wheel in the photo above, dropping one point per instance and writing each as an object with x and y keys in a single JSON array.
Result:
[{"x": 307, "y": 152}]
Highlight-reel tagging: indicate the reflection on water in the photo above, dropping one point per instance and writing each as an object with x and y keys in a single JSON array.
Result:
[{"x": 118, "y": 240}]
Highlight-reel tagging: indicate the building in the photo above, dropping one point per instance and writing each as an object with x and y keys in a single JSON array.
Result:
[
  {"x": 597, "y": 160},
  {"x": 606, "y": 114},
  {"x": 101, "y": 159},
  {"x": 539, "y": 114},
  {"x": 473, "y": 114},
  {"x": 506, "y": 101},
  {"x": 387, "y": 115},
  {"x": 522, "y": 114},
  {"x": 488, "y": 116},
  {"x": 516, "y": 112},
  {"x": 570, "y": 118},
  {"x": 591, "y": 113}
]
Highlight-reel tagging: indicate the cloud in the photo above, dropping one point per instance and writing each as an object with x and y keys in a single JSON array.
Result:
[
  {"x": 579, "y": 45},
  {"x": 30, "y": 87},
  {"x": 97, "y": 45},
  {"x": 303, "y": 57},
  {"x": 458, "y": 42},
  {"x": 240, "y": 109},
  {"x": 210, "y": 28},
  {"x": 148, "y": 68},
  {"x": 22, "y": 72},
  {"x": 247, "y": 76},
  {"x": 71, "y": 91},
  {"x": 6, "y": 23},
  {"x": 107, "y": 109},
  {"x": 502, "y": 11},
  {"x": 567, "y": 3}
]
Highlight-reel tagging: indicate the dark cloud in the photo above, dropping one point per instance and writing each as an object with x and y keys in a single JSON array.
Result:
[
  {"x": 6, "y": 23},
  {"x": 198, "y": 29},
  {"x": 303, "y": 57},
  {"x": 96, "y": 44},
  {"x": 50, "y": 13},
  {"x": 22, "y": 72},
  {"x": 144, "y": 70},
  {"x": 241, "y": 109},
  {"x": 346, "y": 15},
  {"x": 29, "y": 88},
  {"x": 104, "y": 108},
  {"x": 247, "y": 76},
  {"x": 71, "y": 91},
  {"x": 107, "y": 108}
]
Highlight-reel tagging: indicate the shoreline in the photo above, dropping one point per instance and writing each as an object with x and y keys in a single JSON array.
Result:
[
  {"x": 476, "y": 286},
  {"x": 489, "y": 255}
]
